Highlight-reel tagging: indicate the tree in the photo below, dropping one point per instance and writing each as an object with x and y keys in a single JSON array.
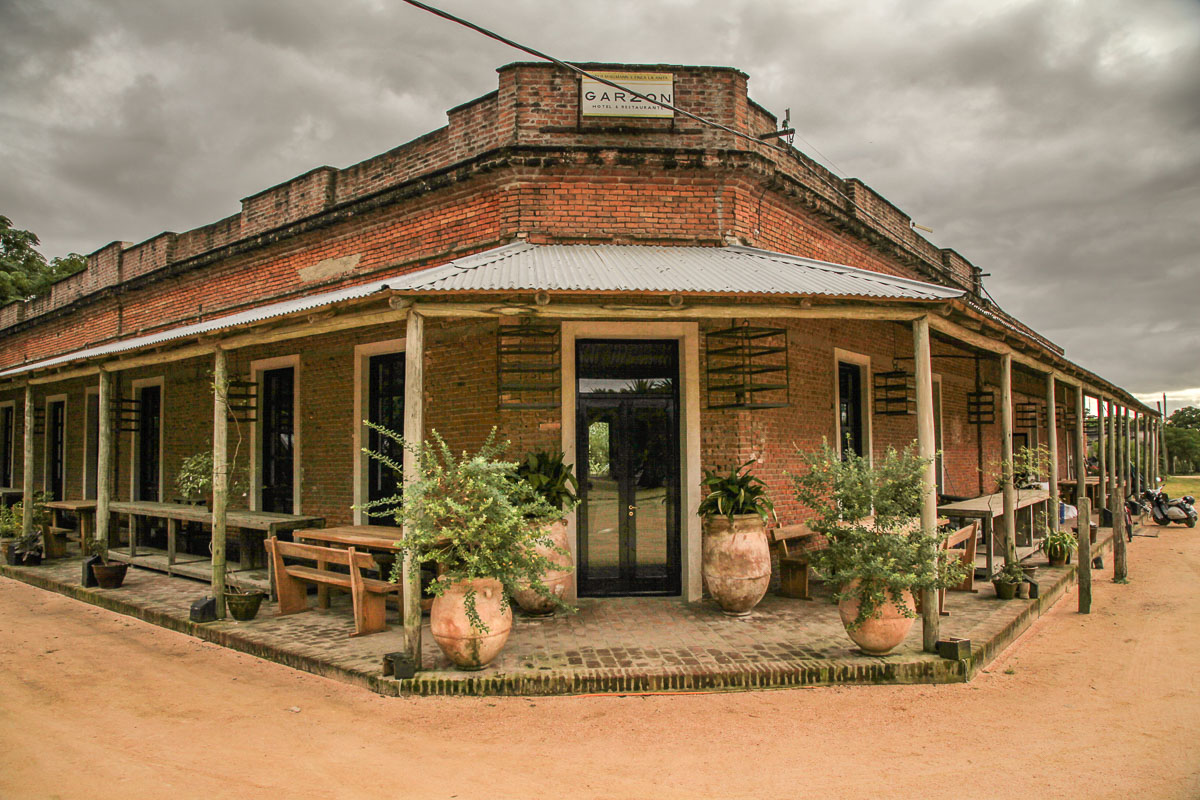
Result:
[
  {"x": 24, "y": 272},
  {"x": 1187, "y": 417}
]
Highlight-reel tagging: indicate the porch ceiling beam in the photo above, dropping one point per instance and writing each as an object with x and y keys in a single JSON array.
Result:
[{"x": 655, "y": 312}]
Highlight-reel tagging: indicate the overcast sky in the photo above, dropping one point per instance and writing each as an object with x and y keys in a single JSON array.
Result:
[{"x": 1054, "y": 144}]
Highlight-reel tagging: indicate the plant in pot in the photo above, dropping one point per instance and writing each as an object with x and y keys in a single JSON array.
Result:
[
  {"x": 483, "y": 528},
  {"x": 27, "y": 549},
  {"x": 554, "y": 482},
  {"x": 736, "y": 558},
  {"x": 877, "y": 552},
  {"x": 242, "y": 603},
  {"x": 10, "y": 532},
  {"x": 108, "y": 575},
  {"x": 1008, "y": 580},
  {"x": 1057, "y": 544}
]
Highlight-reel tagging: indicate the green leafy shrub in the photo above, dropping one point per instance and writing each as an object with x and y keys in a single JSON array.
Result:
[
  {"x": 738, "y": 493},
  {"x": 472, "y": 516},
  {"x": 550, "y": 479},
  {"x": 1058, "y": 542},
  {"x": 869, "y": 516}
]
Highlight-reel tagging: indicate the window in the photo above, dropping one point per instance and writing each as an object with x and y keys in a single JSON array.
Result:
[
  {"x": 8, "y": 431},
  {"x": 277, "y": 442}
]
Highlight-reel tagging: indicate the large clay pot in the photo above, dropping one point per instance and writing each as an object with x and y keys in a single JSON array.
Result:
[
  {"x": 736, "y": 562},
  {"x": 884, "y": 630},
  {"x": 467, "y": 647},
  {"x": 556, "y": 580}
]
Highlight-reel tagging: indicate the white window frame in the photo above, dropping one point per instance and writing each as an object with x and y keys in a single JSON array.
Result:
[
  {"x": 362, "y": 355},
  {"x": 87, "y": 442},
  {"x": 46, "y": 401},
  {"x": 134, "y": 465},
  {"x": 688, "y": 336},
  {"x": 863, "y": 361},
  {"x": 257, "y": 368}
]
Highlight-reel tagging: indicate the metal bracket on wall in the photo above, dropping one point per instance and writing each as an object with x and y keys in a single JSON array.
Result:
[
  {"x": 528, "y": 366},
  {"x": 747, "y": 367},
  {"x": 242, "y": 401},
  {"x": 126, "y": 414}
]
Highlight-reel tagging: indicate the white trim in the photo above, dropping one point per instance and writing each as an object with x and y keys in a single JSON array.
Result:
[
  {"x": 12, "y": 450},
  {"x": 864, "y": 361},
  {"x": 256, "y": 369},
  {"x": 939, "y": 430},
  {"x": 46, "y": 401},
  {"x": 83, "y": 469},
  {"x": 688, "y": 334},
  {"x": 362, "y": 354},
  {"x": 134, "y": 466}
]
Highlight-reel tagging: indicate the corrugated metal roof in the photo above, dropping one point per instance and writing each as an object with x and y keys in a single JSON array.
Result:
[
  {"x": 596, "y": 268},
  {"x": 639, "y": 268}
]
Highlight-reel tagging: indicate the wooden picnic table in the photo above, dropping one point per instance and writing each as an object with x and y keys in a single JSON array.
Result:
[
  {"x": 1091, "y": 482},
  {"x": 85, "y": 510},
  {"x": 989, "y": 507}
]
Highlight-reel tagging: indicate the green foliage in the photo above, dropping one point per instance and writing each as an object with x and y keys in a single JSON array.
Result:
[
  {"x": 739, "y": 492},
  {"x": 194, "y": 478},
  {"x": 95, "y": 547},
  {"x": 473, "y": 517},
  {"x": 886, "y": 554},
  {"x": 550, "y": 479},
  {"x": 1011, "y": 572},
  {"x": 10, "y": 522},
  {"x": 24, "y": 272},
  {"x": 13, "y": 519},
  {"x": 598, "y": 456},
  {"x": 1058, "y": 542},
  {"x": 1187, "y": 417},
  {"x": 1183, "y": 447}
]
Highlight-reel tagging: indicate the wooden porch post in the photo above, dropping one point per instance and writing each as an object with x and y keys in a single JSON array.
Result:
[
  {"x": 414, "y": 434},
  {"x": 1144, "y": 443},
  {"x": 927, "y": 449},
  {"x": 27, "y": 471},
  {"x": 1166, "y": 456},
  {"x": 1102, "y": 452},
  {"x": 1006, "y": 430},
  {"x": 220, "y": 477},
  {"x": 1120, "y": 567},
  {"x": 1084, "y": 568},
  {"x": 104, "y": 456},
  {"x": 1052, "y": 438}
]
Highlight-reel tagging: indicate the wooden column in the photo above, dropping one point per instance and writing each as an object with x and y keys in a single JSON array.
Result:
[
  {"x": 1083, "y": 570},
  {"x": 1052, "y": 440},
  {"x": 1120, "y": 567},
  {"x": 104, "y": 457},
  {"x": 414, "y": 435},
  {"x": 1144, "y": 442},
  {"x": 927, "y": 449},
  {"x": 1084, "y": 528},
  {"x": 27, "y": 470},
  {"x": 1166, "y": 456},
  {"x": 1101, "y": 453},
  {"x": 1006, "y": 449},
  {"x": 220, "y": 478}
]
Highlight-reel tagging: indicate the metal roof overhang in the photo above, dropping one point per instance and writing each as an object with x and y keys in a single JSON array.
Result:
[{"x": 597, "y": 269}]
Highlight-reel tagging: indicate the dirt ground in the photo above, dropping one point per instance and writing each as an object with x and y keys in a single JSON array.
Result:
[{"x": 96, "y": 705}]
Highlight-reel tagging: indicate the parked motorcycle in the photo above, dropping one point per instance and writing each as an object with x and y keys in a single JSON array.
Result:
[{"x": 1165, "y": 510}]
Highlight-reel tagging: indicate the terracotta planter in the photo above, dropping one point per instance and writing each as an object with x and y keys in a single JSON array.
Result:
[
  {"x": 467, "y": 647},
  {"x": 110, "y": 576},
  {"x": 243, "y": 607},
  {"x": 557, "y": 580},
  {"x": 884, "y": 630},
  {"x": 736, "y": 562}
]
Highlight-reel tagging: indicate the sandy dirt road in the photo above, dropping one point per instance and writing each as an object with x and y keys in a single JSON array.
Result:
[{"x": 96, "y": 705}]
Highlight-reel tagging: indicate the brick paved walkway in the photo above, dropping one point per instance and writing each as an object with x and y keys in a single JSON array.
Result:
[{"x": 611, "y": 645}]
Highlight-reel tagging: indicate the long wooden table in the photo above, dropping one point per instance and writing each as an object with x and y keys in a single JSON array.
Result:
[
  {"x": 988, "y": 508},
  {"x": 1091, "y": 482},
  {"x": 83, "y": 509}
]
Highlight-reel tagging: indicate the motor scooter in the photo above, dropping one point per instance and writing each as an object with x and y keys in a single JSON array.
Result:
[{"x": 1165, "y": 510}]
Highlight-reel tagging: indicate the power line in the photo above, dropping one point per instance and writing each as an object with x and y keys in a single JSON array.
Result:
[{"x": 702, "y": 120}]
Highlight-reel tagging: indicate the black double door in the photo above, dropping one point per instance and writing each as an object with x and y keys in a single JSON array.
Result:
[
  {"x": 627, "y": 440},
  {"x": 278, "y": 440},
  {"x": 385, "y": 407}
]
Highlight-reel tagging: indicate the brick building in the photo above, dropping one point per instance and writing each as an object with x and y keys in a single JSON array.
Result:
[{"x": 654, "y": 296}]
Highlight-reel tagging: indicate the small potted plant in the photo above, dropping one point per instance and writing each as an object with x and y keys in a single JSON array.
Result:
[
  {"x": 108, "y": 575},
  {"x": 1057, "y": 545},
  {"x": 735, "y": 555},
  {"x": 482, "y": 527},
  {"x": 242, "y": 603},
  {"x": 554, "y": 482},
  {"x": 1008, "y": 580},
  {"x": 877, "y": 554},
  {"x": 10, "y": 532}
]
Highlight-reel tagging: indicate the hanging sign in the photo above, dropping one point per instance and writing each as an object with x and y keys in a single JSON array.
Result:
[{"x": 601, "y": 100}]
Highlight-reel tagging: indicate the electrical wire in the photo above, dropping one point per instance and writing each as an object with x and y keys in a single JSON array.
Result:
[{"x": 695, "y": 117}]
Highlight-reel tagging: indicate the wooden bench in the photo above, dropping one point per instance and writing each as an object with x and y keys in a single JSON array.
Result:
[
  {"x": 54, "y": 541},
  {"x": 969, "y": 538},
  {"x": 796, "y": 542},
  {"x": 367, "y": 595}
]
